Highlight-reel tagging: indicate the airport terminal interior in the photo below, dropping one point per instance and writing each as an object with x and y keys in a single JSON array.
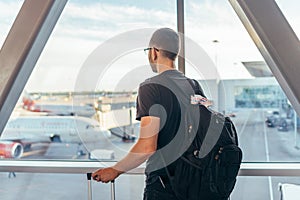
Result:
[{"x": 70, "y": 72}]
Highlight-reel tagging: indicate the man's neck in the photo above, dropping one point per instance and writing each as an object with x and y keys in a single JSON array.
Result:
[{"x": 165, "y": 67}]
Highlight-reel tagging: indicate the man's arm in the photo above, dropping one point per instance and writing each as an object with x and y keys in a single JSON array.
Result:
[{"x": 139, "y": 153}]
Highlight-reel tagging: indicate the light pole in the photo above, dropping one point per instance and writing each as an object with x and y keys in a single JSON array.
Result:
[
  {"x": 295, "y": 130},
  {"x": 216, "y": 42},
  {"x": 217, "y": 106}
]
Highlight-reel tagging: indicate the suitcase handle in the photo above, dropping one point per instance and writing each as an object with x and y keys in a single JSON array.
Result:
[
  {"x": 89, "y": 177},
  {"x": 112, "y": 190}
]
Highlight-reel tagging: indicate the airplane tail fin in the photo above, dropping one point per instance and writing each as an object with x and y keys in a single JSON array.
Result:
[{"x": 28, "y": 102}]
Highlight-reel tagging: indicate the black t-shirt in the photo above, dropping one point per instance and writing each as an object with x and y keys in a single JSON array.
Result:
[{"x": 155, "y": 98}]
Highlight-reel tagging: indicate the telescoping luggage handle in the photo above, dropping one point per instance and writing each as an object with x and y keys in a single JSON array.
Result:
[
  {"x": 112, "y": 188},
  {"x": 89, "y": 177}
]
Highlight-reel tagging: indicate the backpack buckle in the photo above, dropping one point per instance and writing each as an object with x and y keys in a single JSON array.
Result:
[{"x": 196, "y": 153}]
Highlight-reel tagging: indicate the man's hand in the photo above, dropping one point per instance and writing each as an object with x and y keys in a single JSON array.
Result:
[
  {"x": 139, "y": 153},
  {"x": 105, "y": 175}
]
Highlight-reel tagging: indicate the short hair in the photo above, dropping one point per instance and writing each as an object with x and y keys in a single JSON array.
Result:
[{"x": 167, "y": 41}]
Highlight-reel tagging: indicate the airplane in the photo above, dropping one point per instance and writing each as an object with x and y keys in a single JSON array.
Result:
[
  {"x": 57, "y": 109},
  {"x": 22, "y": 131}
]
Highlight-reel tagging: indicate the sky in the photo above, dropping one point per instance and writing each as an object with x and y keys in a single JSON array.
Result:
[{"x": 85, "y": 25}]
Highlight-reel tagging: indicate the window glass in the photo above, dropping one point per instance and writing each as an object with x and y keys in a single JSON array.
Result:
[
  {"x": 266, "y": 188},
  {"x": 77, "y": 104},
  {"x": 290, "y": 10},
  {"x": 63, "y": 104},
  {"x": 216, "y": 28},
  {"x": 66, "y": 186},
  {"x": 246, "y": 88},
  {"x": 63, "y": 118},
  {"x": 9, "y": 11},
  {"x": 267, "y": 125}
]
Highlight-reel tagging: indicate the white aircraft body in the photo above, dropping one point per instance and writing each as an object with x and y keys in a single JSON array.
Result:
[{"x": 30, "y": 129}]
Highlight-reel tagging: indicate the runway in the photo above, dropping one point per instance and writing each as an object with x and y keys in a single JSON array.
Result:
[
  {"x": 259, "y": 144},
  {"x": 262, "y": 144}
]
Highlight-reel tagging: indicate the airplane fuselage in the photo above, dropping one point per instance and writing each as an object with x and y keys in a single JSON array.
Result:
[{"x": 70, "y": 129}]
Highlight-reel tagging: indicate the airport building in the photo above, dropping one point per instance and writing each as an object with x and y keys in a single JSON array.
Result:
[
  {"x": 238, "y": 94},
  {"x": 70, "y": 71}
]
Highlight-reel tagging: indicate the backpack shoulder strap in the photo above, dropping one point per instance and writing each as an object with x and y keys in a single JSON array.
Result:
[{"x": 196, "y": 86}]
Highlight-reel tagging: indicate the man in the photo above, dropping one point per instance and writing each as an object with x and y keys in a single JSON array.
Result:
[{"x": 159, "y": 111}]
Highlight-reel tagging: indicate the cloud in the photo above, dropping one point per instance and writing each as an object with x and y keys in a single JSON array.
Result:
[
  {"x": 9, "y": 10},
  {"x": 80, "y": 29},
  {"x": 85, "y": 25},
  {"x": 101, "y": 21}
]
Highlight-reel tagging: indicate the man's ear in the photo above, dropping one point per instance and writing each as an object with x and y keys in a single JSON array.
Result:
[{"x": 154, "y": 54}]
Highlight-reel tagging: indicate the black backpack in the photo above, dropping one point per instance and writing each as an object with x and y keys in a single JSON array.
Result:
[{"x": 209, "y": 167}]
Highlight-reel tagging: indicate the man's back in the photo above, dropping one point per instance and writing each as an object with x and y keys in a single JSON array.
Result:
[{"x": 156, "y": 99}]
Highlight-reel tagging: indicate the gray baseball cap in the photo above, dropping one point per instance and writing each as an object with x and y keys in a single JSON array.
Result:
[{"x": 165, "y": 39}]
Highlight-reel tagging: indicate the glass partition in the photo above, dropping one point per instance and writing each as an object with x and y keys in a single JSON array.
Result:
[
  {"x": 262, "y": 188},
  {"x": 66, "y": 186},
  {"x": 130, "y": 187}
]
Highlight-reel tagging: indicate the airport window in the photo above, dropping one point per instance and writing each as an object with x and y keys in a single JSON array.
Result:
[
  {"x": 246, "y": 87},
  {"x": 260, "y": 97},
  {"x": 247, "y": 90},
  {"x": 49, "y": 104},
  {"x": 60, "y": 104}
]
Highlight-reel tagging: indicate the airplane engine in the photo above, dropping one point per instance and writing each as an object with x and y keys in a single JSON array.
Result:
[{"x": 9, "y": 149}]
